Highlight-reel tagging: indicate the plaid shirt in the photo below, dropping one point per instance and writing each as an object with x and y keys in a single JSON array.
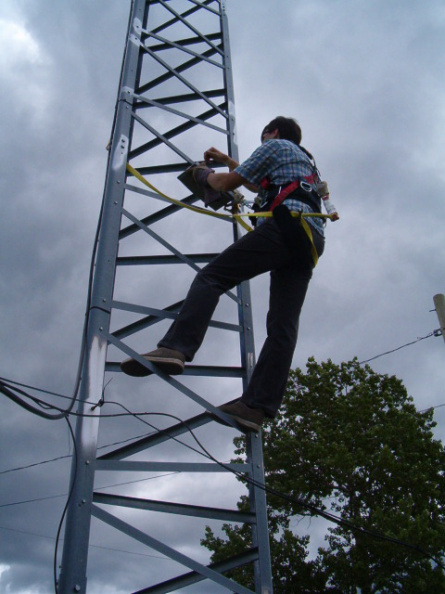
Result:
[{"x": 282, "y": 162}]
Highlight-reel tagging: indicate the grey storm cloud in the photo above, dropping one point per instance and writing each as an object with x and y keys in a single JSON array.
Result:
[{"x": 365, "y": 81}]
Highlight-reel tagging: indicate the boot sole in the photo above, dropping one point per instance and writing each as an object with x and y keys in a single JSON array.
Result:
[
  {"x": 168, "y": 366},
  {"x": 248, "y": 425}
]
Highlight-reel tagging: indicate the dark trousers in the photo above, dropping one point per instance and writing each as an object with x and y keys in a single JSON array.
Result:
[{"x": 259, "y": 251}]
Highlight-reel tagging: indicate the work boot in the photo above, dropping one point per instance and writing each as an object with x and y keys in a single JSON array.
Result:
[
  {"x": 249, "y": 418},
  {"x": 168, "y": 360}
]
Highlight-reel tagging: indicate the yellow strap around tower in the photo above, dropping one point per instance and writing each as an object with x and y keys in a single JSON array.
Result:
[
  {"x": 197, "y": 209},
  {"x": 237, "y": 217}
]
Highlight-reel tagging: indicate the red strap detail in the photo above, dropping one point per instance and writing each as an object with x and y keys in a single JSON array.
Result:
[
  {"x": 285, "y": 193},
  {"x": 265, "y": 183}
]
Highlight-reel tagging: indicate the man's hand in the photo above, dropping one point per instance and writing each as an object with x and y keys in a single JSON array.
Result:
[
  {"x": 225, "y": 181},
  {"x": 213, "y": 155}
]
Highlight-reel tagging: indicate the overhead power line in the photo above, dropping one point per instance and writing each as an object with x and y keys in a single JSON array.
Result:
[
  {"x": 437, "y": 332},
  {"x": 108, "y": 445},
  {"x": 91, "y": 545}
]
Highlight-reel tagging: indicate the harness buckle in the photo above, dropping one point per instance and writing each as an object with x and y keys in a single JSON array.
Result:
[{"x": 305, "y": 186}]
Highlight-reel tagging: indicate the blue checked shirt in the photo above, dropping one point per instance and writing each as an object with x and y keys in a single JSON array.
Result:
[{"x": 282, "y": 162}]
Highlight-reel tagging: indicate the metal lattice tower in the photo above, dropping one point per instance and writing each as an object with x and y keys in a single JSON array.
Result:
[{"x": 175, "y": 99}]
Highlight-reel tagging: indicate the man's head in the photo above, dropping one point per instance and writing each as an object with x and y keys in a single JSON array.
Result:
[{"x": 285, "y": 128}]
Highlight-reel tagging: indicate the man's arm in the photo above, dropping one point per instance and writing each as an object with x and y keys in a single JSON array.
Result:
[
  {"x": 214, "y": 155},
  {"x": 224, "y": 182}
]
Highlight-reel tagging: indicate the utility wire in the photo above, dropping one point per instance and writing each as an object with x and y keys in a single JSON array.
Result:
[
  {"x": 33, "y": 464},
  {"x": 314, "y": 510},
  {"x": 437, "y": 332},
  {"x": 38, "y": 499},
  {"x": 432, "y": 408},
  {"x": 91, "y": 545}
]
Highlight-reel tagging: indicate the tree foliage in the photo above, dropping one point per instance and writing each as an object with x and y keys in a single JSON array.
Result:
[{"x": 350, "y": 442}]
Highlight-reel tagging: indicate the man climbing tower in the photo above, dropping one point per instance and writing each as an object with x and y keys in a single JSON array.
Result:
[{"x": 284, "y": 245}]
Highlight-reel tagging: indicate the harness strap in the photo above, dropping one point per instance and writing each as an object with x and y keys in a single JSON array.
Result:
[
  {"x": 284, "y": 193},
  {"x": 265, "y": 182},
  {"x": 308, "y": 231},
  {"x": 279, "y": 199}
]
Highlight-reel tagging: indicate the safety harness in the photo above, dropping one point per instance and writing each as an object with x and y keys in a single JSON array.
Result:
[
  {"x": 307, "y": 194},
  {"x": 301, "y": 190}
]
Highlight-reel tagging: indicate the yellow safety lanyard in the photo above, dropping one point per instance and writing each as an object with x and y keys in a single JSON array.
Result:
[{"x": 238, "y": 217}]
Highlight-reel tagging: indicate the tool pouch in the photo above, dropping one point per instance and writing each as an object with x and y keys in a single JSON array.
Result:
[{"x": 195, "y": 179}]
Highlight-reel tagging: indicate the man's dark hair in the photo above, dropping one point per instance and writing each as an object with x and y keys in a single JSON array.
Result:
[{"x": 287, "y": 128}]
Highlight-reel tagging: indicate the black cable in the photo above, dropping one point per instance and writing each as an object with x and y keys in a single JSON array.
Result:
[
  {"x": 314, "y": 510},
  {"x": 65, "y": 509},
  {"x": 15, "y": 394},
  {"x": 22, "y": 385},
  {"x": 301, "y": 503},
  {"x": 246, "y": 479},
  {"x": 165, "y": 431}
]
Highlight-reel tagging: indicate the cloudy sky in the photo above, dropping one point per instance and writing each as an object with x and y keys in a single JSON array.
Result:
[{"x": 365, "y": 81}]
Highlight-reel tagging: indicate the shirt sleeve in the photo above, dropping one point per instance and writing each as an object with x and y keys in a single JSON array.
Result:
[{"x": 258, "y": 165}]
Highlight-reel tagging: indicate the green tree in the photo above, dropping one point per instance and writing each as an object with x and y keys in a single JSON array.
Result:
[{"x": 350, "y": 442}]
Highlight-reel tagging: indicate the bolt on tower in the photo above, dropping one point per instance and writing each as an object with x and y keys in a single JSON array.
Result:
[{"x": 175, "y": 99}]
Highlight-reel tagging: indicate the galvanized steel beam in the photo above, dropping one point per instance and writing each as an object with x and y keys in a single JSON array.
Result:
[{"x": 184, "y": 61}]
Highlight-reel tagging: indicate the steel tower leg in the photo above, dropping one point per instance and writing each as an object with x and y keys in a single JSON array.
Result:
[{"x": 175, "y": 99}]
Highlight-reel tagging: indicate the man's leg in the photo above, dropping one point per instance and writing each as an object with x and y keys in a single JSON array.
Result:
[
  {"x": 257, "y": 252},
  {"x": 288, "y": 289}
]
